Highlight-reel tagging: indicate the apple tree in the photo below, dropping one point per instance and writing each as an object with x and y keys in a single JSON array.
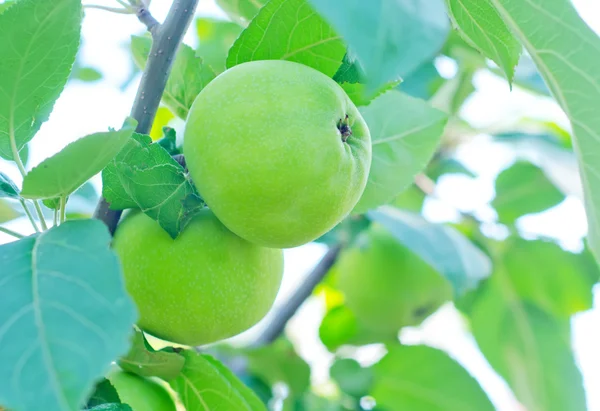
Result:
[{"x": 305, "y": 121}]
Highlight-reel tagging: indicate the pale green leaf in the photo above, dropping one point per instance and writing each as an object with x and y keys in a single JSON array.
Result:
[
  {"x": 188, "y": 77},
  {"x": 64, "y": 316},
  {"x": 405, "y": 133},
  {"x": 241, "y": 11},
  {"x": 207, "y": 384},
  {"x": 391, "y": 38},
  {"x": 38, "y": 43},
  {"x": 64, "y": 172},
  {"x": 441, "y": 246},
  {"x": 421, "y": 378},
  {"x": 289, "y": 30},
  {"x": 8, "y": 211},
  {"x": 215, "y": 38},
  {"x": 482, "y": 27},
  {"x": 351, "y": 377},
  {"x": 7, "y": 187},
  {"x": 567, "y": 54}
]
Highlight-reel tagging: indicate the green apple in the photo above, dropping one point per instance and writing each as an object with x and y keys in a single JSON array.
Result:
[
  {"x": 141, "y": 394},
  {"x": 387, "y": 286},
  {"x": 206, "y": 285},
  {"x": 278, "y": 151}
]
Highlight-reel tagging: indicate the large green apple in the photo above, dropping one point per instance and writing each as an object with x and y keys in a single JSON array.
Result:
[
  {"x": 141, "y": 394},
  {"x": 278, "y": 151},
  {"x": 387, "y": 286},
  {"x": 206, "y": 285}
]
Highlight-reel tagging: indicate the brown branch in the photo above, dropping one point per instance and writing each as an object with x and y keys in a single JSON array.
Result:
[{"x": 166, "y": 40}]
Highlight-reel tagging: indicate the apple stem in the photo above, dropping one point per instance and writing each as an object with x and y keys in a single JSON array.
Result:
[{"x": 345, "y": 129}]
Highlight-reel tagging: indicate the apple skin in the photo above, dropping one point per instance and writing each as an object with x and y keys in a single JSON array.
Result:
[
  {"x": 386, "y": 285},
  {"x": 141, "y": 394},
  {"x": 263, "y": 147},
  {"x": 206, "y": 285}
]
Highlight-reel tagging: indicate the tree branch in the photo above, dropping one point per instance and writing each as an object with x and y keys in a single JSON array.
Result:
[
  {"x": 166, "y": 40},
  {"x": 144, "y": 16},
  {"x": 283, "y": 315}
]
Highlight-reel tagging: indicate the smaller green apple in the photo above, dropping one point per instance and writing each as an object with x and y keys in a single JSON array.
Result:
[
  {"x": 386, "y": 285},
  {"x": 141, "y": 394}
]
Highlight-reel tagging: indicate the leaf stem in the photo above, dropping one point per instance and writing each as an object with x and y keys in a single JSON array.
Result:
[
  {"x": 31, "y": 219},
  {"x": 11, "y": 232},
  {"x": 38, "y": 209},
  {"x": 55, "y": 219},
  {"x": 63, "y": 208}
]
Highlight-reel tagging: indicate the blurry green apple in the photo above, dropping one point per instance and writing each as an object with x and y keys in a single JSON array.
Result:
[
  {"x": 387, "y": 286},
  {"x": 141, "y": 394},
  {"x": 206, "y": 285},
  {"x": 278, "y": 151}
]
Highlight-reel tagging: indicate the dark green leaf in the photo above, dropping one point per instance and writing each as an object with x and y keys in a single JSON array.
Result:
[
  {"x": 289, "y": 30},
  {"x": 7, "y": 187},
  {"x": 352, "y": 378},
  {"x": 350, "y": 71},
  {"x": 104, "y": 393},
  {"x": 169, "y": 141},
  {"x": 206, "y": 384},
  {"x": 442, "y": 246},
  {"x": 382, "y": 33},
  {"x": 405, "y": 133},
  {"x": 67, "y": 170},
  {"x": 480, "y": 24},
  {"x": 143, "y": 360},
  {"x": 420, "y": 378},
  {"x": 65, "y": 316},
  {"x": 216, "y": 38},
  {"x": 524, "y": 189},
  {"x": 145, "y": 176},
  {"x": 39, "y": 43},
  {"x": 241, "y": 11},
  {"x": 188, "y": 77}
]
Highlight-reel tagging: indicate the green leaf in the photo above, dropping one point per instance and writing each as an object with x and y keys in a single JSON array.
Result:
[
  {"x": 143, "y": 360},
  {"x": 544, "y": 274},
  {"x": 64, "y": 314},
  {"x": 206, "y": 384},
  {"x": 104, "y": 393},
  {"x": 241, "y": 11},
  {"x": 216, "y": 38},
  {"x": 188, "y": 77},
  {"x": 447, "y": 165},
  {"x": 52, "y": 203},
  {"x": 405, "y": 133},
  {"x": 7, "y": 187},
  {"x": 87, "y": 74},
  {"x": 421, "y": 378},
  {"x": 351, "y": 377},
  {"x": 64, "y": 172},
  {"x": 39, "y": 43},
  {"x": 361, "y": 97},
  {"x": 441, "y": 246},
  {"x": 482, "y": 27},
  {"x": 145, "y": 176},
  {"x": 5, "y": 5},
  {"x": 338, "y": 327},
  {"x": 8, "y": 212},
  {"x": 111, "y": 407},
  {"x": 529, "y": 348},
  {"x": 169, "y": 141},
  {"x": 161, "y": 120},
  {"x": 423, "y": 82},
  {"x": 524, "y": 189},
  {"x": 567, "y": 54},
  {"x": 289, "y": 30},
  {"x": 350, "y": 71},
  {"x": 382, "y": 33}
]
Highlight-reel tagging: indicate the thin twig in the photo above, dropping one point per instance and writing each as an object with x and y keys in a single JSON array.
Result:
[
  {"x": 38, "y": 209},
  {"x": 166, "y": 40},
  {"x": 28, "y": 213},
  {"x": 287, "y": 311},
  {"x": 11, "y": 232},
  {"x": 63, "y": 209}
]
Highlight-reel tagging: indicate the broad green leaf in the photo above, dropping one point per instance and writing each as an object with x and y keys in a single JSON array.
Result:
[
  {"x": 351, "y": 377},
  {"x": 5, "y": 5},
  {"x": 111, "y": 407},
  {"x": 411, "y": 199},
  {"x": 481, "y": 26},
  {"x": 8, "y": 212},
  {"x": 289, "y": 30},
  {"x": 188, "y": 77},
  {"x": 350, "y": 71},
  {"x": 38, "y": 47},
  {"x": 359, "y": 95},
  {"x": 206, "y": 384},
  {"x": 64, "y": 315},
  {"x": 64, "y": 172},
  {"x": 145, "y": 176},
  {"x": 528, "y": 77},
  {"x": 441, "y": 246},
  {"x": 382, "y": 33},
  {"x": 529, "y": 348},
  {"x": 421, "y": 378},
  {"x": 405, "y": 133},
  {"x": 544, "y": 274},
  {"x": 52, "y": 203},
  {"x": 7, "y": 187},
  {"x": 143, "y": 360},
  {"x": 567, "y": 54},
  {"x": 104, "y": 393},
  {"x": 423, "y": 82},
  {"x": 524, "y": 189},
  {"x": 241, "y": 11},
  {"x": 216, "y": 38}
]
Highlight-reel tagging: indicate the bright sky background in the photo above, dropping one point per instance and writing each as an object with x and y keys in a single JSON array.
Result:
[{"x": 86, "y": 108}]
